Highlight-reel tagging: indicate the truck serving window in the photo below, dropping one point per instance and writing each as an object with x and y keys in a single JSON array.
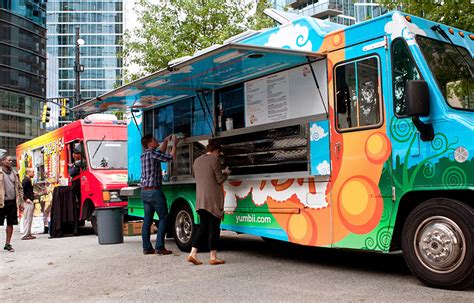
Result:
[
  {"x": 107, "y": 154},
  {"x": 232, "y": 101},
  {"x": 403, "y": 69},
  {"x": 452, "y": 67},
  {"x": 357, "y": 94},
  {"x": 184, "y": 117}
]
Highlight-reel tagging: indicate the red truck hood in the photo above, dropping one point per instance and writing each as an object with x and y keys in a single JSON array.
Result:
[{"x": 112, "y": 177}]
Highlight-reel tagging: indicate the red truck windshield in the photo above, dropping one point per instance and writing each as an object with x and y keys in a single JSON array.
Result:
[{"x": 107, "y": 154}]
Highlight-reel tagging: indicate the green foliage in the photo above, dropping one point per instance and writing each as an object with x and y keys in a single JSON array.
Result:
[
  {"x": 259, "y": 19},
  {"x": 456, "y": 13},
  {"x": 119, "y": 114},
  {"x": 171, "y": 29}
]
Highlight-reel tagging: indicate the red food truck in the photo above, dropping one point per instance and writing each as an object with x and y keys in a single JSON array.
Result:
[{"x": 96, "y": 146}]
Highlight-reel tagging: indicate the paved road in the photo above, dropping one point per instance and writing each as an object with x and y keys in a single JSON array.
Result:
[{"x": 79, "y": 269}]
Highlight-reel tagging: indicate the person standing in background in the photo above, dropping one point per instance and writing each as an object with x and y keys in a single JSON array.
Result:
[
  {"x": 209, "y": 177},
  {"x": 28, "y": 205},
  {"x": 11, "y": 197}
]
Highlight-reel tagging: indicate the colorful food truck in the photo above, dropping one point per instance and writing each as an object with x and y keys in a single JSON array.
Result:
[
  {"x": 356, "y": 137},
  {"x": 101, "y": 141}
]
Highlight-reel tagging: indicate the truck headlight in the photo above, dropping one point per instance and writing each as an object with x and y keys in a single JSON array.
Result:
[
  {"x": 111, "y": 196},
  {"x": 114, "y": 195}
]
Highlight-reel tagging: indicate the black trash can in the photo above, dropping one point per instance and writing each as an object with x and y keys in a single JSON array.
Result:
[{"x": 110, "y": 225}]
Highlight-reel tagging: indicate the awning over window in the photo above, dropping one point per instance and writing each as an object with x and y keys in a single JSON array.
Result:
[{"x": 211, "y": 69}]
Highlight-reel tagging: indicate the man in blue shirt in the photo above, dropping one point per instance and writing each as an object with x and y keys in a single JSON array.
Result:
[{"x": 151, "y": 193}]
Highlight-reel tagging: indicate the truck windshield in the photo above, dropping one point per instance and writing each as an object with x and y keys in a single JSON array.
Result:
[
  {"x": 452, "y": 68},
  {"x": 108, "y": 155}
]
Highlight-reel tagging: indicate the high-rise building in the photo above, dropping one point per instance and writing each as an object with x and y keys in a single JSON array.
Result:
[
  {"x": 52, "y": 91},
  {"x": 345, "y": 12},
  {"x": 22, "y": 70},
  {"x": 101, "y": 24}
]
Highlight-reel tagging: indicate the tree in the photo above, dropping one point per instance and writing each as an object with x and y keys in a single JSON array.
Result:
[
  {"x": 171, "y": 29},
  {"x": 259, "y": 19},
  {"x": 456, "y": 13}
]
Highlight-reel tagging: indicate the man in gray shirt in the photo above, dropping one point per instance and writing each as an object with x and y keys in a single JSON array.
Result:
[{"x": 11, "y": 197}]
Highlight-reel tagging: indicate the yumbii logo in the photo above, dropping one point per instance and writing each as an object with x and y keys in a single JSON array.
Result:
[{"x": 253, "y": 219}]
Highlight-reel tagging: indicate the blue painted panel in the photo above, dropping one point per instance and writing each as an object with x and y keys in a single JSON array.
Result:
[
  {"x": 262, "y": 232},
  {"x": 134, "y": 146},
  {"x": 319, "y": 148}
]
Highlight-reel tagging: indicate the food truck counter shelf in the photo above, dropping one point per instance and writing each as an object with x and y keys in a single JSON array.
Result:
[
  {"x": 294, "y": 175},
  {"x": 281, "y": 176},
  {"x": 268, "y": 126},
  {"x": 184, "y": 181}
]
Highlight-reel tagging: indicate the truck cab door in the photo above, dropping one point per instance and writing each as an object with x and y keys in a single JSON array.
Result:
[
  {"x": 77, "y": 161},
  {"x": 361, "y": 180}
]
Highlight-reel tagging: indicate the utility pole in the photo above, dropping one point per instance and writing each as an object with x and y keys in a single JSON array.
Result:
[{"x": 78, "y": 69}]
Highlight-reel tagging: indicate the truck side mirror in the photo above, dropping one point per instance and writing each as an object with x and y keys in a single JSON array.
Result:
[
  {"x": 417, "y": 98},
  {"x": 418, "y": 105}
]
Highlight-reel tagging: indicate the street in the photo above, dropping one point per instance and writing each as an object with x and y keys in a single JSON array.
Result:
[{"x": 79, "y": 269}]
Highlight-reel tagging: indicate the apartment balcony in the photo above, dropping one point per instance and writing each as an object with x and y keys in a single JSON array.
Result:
[
  {"x": 296, "y": 4},
  {"x": 323, "y": 9}
]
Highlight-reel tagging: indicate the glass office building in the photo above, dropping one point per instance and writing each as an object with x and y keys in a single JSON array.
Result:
[
  {"x": 22, "y": 70},
  {"x": 101, "y": 24},
  {"x": 345, "y": 12}
]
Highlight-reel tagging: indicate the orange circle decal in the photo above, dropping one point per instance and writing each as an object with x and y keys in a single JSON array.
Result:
[
  {"x": 301, "y": 229},
  {"x": 359, "y": 204},
  {"x": 337, "y": 39},
  {"x": 377, "y": 148}
]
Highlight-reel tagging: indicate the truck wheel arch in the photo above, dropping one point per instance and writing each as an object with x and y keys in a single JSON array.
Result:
[
  {"x": 182, "y": 230},
  {"x": 178, "y": 202},
  {"x": 412, "y": 199},
  {"x": 87, "y": 209}
]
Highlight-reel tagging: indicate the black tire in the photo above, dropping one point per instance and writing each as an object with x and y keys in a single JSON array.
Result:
[
  {"x": 430, "y": 257},
  {"x": 93, "y": 219},
  {"x": 184, "y": 229}
]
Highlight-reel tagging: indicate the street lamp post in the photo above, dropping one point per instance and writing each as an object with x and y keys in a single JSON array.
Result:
[{"x": 78, "y": 69}]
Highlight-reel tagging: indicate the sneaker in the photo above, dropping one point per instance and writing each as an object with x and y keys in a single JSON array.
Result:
[
  {"x": 164, "y": 251},
  {"x": 8, "y": 247},
  {"x": 149, "y": 251}
]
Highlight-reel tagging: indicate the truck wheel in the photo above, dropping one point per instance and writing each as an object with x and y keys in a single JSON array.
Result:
[
  {"x": 437, "y": 243},
  {"x": 94, "y": 224},
  {"x": 184, "y": 228}
]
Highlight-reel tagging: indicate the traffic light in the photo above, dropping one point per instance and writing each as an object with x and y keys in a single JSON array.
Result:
[
  {"x": 46, "y": 113},
  {"x": 64, "y": 107}
]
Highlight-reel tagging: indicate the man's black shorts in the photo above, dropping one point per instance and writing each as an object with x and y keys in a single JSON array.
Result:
[{"x": 10, "y": 212}]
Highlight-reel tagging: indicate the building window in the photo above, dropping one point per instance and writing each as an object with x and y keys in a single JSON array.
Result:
[{"x": 358, "y": 94}]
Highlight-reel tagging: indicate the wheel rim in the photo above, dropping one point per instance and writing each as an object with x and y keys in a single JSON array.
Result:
[
  {"x": 183, "y": 226},
  {"x": 440, "y": 244}
]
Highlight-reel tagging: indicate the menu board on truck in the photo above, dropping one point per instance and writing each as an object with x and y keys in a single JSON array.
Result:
[
  {"x": 267, "y": 99},
  {"x": 286, "y": 95}
]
